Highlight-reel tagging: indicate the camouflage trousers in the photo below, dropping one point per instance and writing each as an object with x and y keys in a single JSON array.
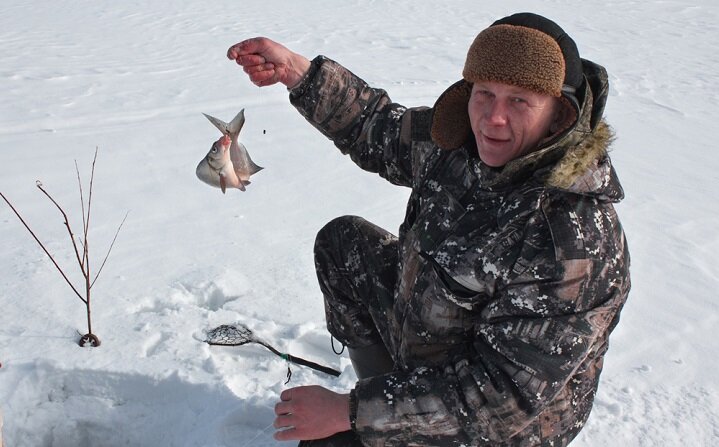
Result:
[{"x": 357, "y": 267}]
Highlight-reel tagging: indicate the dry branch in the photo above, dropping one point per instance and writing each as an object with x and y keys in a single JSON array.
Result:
[{"x": 83, "y": 260}]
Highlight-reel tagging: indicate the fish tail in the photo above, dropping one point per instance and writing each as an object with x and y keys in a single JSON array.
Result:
[{"x": 235, "y": 126}]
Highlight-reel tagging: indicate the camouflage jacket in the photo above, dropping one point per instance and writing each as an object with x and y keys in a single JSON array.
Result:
[{"x": 510, "y": 279}]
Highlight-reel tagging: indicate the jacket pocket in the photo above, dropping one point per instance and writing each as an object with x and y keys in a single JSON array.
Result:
[
  {"x": 454, "y": 291},
  {"x": 446, "y": 279}
]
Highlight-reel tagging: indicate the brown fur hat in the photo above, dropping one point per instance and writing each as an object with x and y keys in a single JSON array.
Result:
[{"x": 526, "y": 50}]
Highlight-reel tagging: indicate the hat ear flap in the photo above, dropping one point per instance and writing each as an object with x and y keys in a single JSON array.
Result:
[{"x": 450, "y": 120}]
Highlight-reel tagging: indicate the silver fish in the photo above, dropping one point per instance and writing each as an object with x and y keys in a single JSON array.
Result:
[{"x": 227, "y": 164}]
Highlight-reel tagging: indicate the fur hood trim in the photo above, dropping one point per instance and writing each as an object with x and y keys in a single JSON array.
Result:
[{"x": 578, "y": 161}]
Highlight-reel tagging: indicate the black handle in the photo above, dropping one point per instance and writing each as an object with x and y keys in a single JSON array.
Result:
[
  {"x": 301, "y": 361},
  {"x": 313, "y": 365}
]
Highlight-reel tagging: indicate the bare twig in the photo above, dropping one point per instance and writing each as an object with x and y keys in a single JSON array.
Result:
[
  {"x": 82, "y": 207},
  {"x": 43, "y": 248},
  {"x": 89, "y": 198},
  {"x": 109, "y": 249},
  {"x": 67, "y": 224}
]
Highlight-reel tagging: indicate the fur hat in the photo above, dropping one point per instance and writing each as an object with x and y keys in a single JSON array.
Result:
[{"x": 526, "y": 50}]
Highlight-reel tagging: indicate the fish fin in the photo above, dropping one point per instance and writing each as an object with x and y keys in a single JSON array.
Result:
[
  {"x": 253, "y": 167},
  {"x": 221, "y": 125},
  {"x": 235, "y": 126},
  {"x": 242, "y": 185},
  {"x": 223, "y": 184}
]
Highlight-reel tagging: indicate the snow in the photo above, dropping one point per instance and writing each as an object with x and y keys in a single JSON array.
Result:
[{"x": 132, "y": 78}]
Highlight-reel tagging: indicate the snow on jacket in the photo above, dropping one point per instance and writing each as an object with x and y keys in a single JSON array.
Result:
[{"x": 510, "y": 281}]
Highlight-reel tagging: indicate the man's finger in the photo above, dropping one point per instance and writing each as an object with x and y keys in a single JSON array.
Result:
[
  {"x": 286, "y": 435},
  {"x": 263, "y": 77},
  {"x": 249, "y": 46},
  {"x": 249, "y": 69},
  {"x": 282, "y": 408},
  {"x": 250, "y": 59},
  {"x": 284, "y": 421},
  {"x": 241, "y": 48},
  {"x": 286, "y": 395}
]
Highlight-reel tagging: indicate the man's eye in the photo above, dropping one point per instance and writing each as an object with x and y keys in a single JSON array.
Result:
[{"x": 483, "y": 95}]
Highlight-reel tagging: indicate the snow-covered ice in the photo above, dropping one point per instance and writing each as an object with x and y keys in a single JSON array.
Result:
[{"x": 132, "y": 78}]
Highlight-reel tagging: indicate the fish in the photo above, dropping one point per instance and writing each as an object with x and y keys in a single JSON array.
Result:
[{"x": 227, "y": 164}]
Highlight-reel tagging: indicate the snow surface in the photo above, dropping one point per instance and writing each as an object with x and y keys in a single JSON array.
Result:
[{"x": 133, "y": 77}]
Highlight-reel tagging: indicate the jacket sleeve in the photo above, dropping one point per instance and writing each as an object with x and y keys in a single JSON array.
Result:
[
  {"x": 541, "y": 335},
  {"x": 360, "y": 120}
]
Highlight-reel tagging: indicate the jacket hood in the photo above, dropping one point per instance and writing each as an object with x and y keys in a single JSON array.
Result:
[{"x": 585, "y": 167}]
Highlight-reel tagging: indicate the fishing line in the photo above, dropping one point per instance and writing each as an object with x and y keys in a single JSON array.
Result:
[
  {"x": 264, "y": 429},
  {"x": 257, "y": 435}
]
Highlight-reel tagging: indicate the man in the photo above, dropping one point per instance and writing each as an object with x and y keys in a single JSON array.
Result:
[{"x": 486, "y": 321}]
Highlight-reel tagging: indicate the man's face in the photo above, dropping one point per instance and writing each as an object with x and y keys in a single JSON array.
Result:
[{"x": 509, "y": 121}]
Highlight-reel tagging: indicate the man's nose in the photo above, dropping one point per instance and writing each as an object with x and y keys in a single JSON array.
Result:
[{"x": 497, "y": 113}]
